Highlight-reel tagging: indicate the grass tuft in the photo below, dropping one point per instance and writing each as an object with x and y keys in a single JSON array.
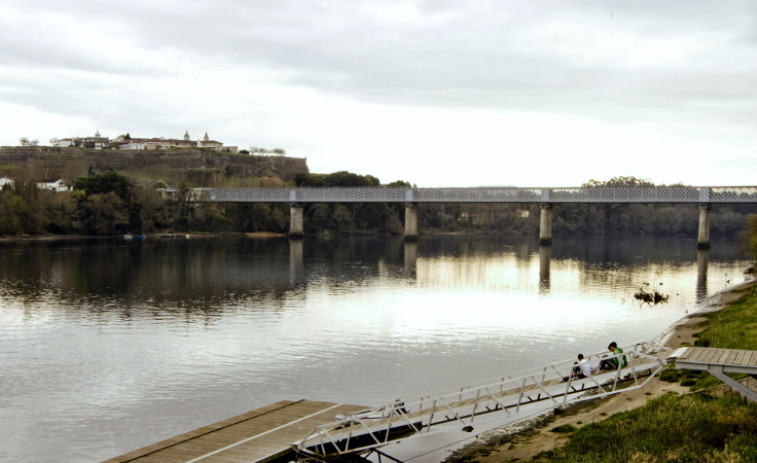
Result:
[{"x": 564, "y": 428}]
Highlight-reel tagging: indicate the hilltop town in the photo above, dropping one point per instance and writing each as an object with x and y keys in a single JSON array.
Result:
[
  {"x": 146, "y": 160},
  {"x": 127, "y": 142}
]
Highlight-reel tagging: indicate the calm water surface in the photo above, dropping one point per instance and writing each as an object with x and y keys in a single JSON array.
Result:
[{"x": 108, "y": 346}]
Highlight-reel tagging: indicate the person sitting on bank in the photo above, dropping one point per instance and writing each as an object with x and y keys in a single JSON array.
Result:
[
  {"x": 619, "y": 359},
  {"x": 581, "y": 369},
  {"x": 605, "y": 363},
  {"x": 584, "y": 366}
]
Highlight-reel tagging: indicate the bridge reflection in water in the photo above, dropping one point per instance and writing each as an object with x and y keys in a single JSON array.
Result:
[
  {"x": 545, "y": 258},
  {"x": 703, "y": 261},
  {"x": 297, "y": 273}
]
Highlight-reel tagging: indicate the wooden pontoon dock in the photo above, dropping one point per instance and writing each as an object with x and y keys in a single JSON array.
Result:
[{"x": 262, "y": 435}]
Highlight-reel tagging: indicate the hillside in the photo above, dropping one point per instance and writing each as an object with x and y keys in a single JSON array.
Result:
[{"x": 194, "y": 167}]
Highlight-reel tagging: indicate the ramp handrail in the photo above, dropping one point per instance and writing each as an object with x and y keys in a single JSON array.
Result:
[{"x": 370, "y": 429}]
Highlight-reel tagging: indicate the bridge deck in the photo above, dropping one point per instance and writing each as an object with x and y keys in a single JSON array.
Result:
[
  {"x": 734, "y": 194},
  {"x": 257, "y": 436}
]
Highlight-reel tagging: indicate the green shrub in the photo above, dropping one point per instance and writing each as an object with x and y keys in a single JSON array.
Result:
[{"x": 670, "y": 375}]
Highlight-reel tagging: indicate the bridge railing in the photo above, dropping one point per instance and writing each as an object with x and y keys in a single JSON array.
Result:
[
  {"x": 673, "y": 194},
  {"x": 732, "y": 194}
]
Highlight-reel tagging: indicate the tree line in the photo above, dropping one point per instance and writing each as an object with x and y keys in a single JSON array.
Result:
[{"x": 109, "y": 203}]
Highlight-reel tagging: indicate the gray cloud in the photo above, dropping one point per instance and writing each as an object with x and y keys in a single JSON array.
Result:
[
  {"x": 584, "y": 57},
  {"x": 683, "y": 67},
  {"x": 490, "y": 54}
]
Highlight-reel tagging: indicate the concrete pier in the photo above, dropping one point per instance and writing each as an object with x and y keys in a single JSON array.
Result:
[
  {"x": 296, "y": 221},
  {"x": 411, "y": 221},
  {"x": 703, "y": 238},
  {"x": 545, "y": 225}
]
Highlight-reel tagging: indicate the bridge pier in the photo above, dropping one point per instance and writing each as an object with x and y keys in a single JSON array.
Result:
[
  {"x": 296, "y": 221},
  {"x": 411, "y": 221},
  {"x": 545, "y": 225},
  {"x": 703, "y": 238}
]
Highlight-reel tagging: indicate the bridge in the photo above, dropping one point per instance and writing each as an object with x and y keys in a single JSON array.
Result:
[{"x": 705, "y": 196}]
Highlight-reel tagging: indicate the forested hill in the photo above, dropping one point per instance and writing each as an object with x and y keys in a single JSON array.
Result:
[{"x": 193, "y": 167}]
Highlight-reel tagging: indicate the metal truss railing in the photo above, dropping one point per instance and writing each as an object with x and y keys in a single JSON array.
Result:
[
  {"x": 554, "y": 384},
  {"x": 713, "y": 194}
]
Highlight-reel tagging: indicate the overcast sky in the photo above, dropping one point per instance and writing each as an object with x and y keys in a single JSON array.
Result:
[{"x": 436, "y": 93}]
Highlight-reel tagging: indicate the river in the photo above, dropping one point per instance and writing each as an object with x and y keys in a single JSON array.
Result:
[{"x": 107, "y": 346}]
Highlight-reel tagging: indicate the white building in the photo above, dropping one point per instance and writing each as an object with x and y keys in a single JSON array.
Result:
[
  {"x": 97, "y": 142},
  {"x": 57, "y": 186},
  {"x": 5, "y": 181}
]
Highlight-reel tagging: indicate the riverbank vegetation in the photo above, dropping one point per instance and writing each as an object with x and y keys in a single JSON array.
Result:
[
  {"x": 143, "y": 193},
  {"x": 710, "y": 424},
  {"x": 691, "y": 428}
]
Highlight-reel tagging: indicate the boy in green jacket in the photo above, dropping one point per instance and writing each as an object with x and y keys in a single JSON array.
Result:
[{"x": 619, "y": 358}]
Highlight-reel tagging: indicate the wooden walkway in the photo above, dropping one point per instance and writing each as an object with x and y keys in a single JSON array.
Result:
[
  {"x": 260, "y": 435},
  {"x": 718, "y": 362},
  {"x": 703, "y": 358}
]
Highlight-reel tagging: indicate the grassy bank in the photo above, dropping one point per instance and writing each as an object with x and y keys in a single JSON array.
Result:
[
  {"x": 672, "y": 428},
  {"x": 700, "y": 426}
]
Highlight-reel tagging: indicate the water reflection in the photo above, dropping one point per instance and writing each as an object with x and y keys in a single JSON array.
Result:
[
  {"x": 104, "y": 343},
  {"x": 208, "y": 274},
  {"x": 411, "y": 258},
  {"x": 296, "y": 262},
  {"x": 203, "y": 274},
  {"x": 545, "y": 257},
  {"x": 703, "y": 262}
]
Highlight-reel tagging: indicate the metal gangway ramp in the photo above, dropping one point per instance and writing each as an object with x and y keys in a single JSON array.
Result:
[{"x": 553, "y": 385}]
